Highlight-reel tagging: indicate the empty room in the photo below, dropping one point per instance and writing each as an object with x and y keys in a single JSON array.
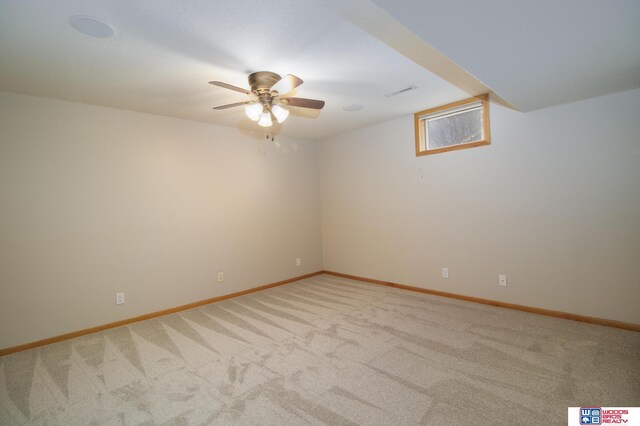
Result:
[{"x": 326, "y": 212}]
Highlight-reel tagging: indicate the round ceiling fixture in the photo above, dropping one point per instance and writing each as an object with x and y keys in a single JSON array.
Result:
[
  {"x": 91, "y": 26},
  {"x": 353, "y": 107}
]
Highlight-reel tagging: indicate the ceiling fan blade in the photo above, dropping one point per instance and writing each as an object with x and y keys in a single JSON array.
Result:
[
  {"x": 287, "y": 84},
  {"x": 304, "y": 103},
  {"x": 230, "y": 87},
  {"x": 233, "y": 105}
]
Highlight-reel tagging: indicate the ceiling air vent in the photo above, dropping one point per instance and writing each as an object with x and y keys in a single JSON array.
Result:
[{"x": 406, "y": 89}]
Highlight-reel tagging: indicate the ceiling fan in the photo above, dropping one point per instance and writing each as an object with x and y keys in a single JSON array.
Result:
[{"x": 270, "y": 92}]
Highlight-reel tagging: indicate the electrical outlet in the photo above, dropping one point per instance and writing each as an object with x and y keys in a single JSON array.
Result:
[
  {"x": 298, "y": 261},
  {"x": 445, "y": 272},
  {"x": 502, "y": 280},
  {"x": 119, "y": 298},
  {"x": 220, "y": 277}
]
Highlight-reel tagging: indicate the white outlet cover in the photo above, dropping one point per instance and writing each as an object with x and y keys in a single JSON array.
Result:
[
  {"x": 502, "y": 280},
  {"x": 445, "y": 272},
  {"x": 298, "y": 261}
]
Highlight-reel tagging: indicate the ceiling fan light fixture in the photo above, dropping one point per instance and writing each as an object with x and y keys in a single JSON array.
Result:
[
  {"x": 268, "y": 100},
  {"x": 254, "y": 111},
  {"x": 280, "y": 113},
  {"x": 265, "y": 119}
]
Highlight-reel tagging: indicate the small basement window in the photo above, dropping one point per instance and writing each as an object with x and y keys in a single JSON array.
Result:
[{"x": 459, "y": 125}]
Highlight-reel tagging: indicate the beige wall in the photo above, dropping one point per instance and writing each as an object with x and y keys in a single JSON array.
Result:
[
  {"x": 95, "y": 200},
  {"x": 554, "y": 203}
]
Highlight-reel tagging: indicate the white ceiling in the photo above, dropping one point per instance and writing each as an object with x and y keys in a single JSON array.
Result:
[
  {"x": 165, "y": 51},
  {"x": 533, "y": 53}
]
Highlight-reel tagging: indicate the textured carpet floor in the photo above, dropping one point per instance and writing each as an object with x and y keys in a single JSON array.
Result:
[{"x": 326, "y": 350}]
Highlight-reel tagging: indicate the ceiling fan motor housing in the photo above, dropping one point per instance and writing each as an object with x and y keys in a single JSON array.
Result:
[{"x": 261, "y": 83}]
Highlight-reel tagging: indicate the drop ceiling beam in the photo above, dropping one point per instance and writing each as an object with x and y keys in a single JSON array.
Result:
[{"x": 377, "y": 22}]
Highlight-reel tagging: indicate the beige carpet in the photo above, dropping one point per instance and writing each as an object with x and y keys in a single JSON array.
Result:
[{"x": 326, "y": 350}]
